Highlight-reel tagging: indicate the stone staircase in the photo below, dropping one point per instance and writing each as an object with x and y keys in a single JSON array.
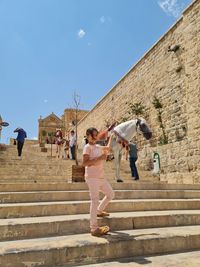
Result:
[
  {"x": 33, "y": 166},
  {"x": 47, "y": 224},
  {"x": 125, "y": 172},
  {"x": 44, "y": 218},
  {"x": 185, "y": 259},
  {"x": 37, "y": 166}
]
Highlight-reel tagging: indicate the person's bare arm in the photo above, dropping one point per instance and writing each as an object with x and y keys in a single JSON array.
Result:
[
  {"x": 109, "y": 145},
  {"x": 91, "y": 162}
]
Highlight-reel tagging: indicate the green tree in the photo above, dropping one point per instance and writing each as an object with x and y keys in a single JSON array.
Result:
[{"x": 136, "y": 108}]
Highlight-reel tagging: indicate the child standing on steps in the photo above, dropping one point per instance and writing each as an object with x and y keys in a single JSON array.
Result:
[{"x": 93, "y": 156}]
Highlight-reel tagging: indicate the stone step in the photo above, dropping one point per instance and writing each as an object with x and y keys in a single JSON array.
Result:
[
  {"x": 17, "y": 197},
  {"x": 84, "y": 248},
  {"x": 25, "y": 228},
  {"x": 185, "y": 259},
  {"x": 34, "y": 171},
  {"x": 36, "y": 209},
  {"x": 35, "y": 178},
  {"x": 37, "y": 165},
  {"x": 20, "y": 172},
  {"x": 62, "y": 177},
  {"x": 32, "y": 178},
  {"x": 29, "y": 151},
  {"x": 54, "y": 186},
  {"x": 31, "y": 157},
  {"x": 12, "y": 160},
  {"x": 26, "y": 152},
  {"x": 25, "y": 177}
]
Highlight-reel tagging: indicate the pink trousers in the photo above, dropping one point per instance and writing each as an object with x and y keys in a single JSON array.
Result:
[{"x": 95, "y": 185}]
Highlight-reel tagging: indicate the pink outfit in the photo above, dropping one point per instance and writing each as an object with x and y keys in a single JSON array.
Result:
[
  {"x": 95, "y": 171},
  {"x": 94, "y": 176}
]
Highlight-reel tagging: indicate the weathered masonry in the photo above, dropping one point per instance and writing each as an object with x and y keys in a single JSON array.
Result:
[{"x": 169, "y": 71}]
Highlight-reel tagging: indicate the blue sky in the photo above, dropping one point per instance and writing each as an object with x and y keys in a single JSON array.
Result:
[{"x": 50, "y": 49}]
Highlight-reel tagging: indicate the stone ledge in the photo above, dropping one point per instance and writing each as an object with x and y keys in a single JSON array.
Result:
[{"x": 54, "y": 251}]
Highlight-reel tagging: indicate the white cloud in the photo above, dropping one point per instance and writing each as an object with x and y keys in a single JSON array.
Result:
[
  {"x": 34, "y": 138},
  {"x": 102, "y": 19},
  {"x": 81, "y": 33},
  {"x": 171, "y": 7}
]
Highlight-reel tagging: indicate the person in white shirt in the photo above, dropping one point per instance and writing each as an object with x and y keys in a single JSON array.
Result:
[{"x": 72, "y": 144}]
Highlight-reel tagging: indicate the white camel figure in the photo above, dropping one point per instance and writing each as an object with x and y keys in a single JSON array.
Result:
[{"x": 122, "y": 134}]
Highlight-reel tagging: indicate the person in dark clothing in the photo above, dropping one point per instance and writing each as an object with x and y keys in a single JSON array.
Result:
[
  {"x": 72, "y": 144},
  {"x": 20, "y": 139},
  {"x": 132, "y": 155}
]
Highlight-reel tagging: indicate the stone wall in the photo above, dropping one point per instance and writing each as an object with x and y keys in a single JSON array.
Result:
[
  {"x": 69, "y": 117},
  {"x": 173, "y": 77},
  {"x": 47, "y": 128}
]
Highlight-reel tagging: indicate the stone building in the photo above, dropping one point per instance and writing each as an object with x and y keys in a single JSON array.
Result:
[
  {"x": 48, "y": 126},
  {"x": 69, "y": 117},
  {"x": 170, "y": 73}
]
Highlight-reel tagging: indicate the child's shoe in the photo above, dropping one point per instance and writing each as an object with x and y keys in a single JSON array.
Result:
[{"x": 100, "y": 231}]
